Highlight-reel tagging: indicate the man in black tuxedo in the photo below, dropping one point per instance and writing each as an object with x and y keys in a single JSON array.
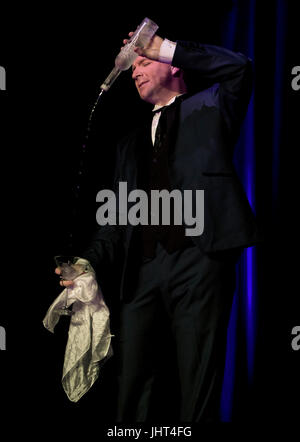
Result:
[{"x": 187, "y": 281}]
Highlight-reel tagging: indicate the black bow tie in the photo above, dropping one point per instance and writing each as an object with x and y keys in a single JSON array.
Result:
[
  {"x": 177, "y": 100},
  {"x": 160, "y": 109}
]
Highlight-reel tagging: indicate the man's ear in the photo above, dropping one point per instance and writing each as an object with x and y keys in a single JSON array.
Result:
[{"x": 175, "y": 71}]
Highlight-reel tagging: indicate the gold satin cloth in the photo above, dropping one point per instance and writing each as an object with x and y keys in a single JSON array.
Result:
[{"x": 89, "y": 337}]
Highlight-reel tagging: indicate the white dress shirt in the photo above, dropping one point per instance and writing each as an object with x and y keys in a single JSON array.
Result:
[{"x": 166, "y": 54}]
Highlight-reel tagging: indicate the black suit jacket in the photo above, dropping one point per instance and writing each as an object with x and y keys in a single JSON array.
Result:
[{"x": 209, "y": 122}]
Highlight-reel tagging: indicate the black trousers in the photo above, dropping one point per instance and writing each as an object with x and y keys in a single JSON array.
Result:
[{"x": 187, "y": 296}]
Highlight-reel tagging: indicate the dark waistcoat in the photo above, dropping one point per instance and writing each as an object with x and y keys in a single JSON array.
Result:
[{"x": 172, "y": 237}]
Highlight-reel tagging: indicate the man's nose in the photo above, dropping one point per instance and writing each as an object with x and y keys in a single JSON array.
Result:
[{"x": 136, "y": 74}]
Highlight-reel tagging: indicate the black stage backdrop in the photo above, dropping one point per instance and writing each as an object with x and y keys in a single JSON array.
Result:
[{"x": 55, "y": 60}]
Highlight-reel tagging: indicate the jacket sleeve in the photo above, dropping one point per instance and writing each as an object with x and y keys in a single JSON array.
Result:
[{"x": 232, "y": 71}]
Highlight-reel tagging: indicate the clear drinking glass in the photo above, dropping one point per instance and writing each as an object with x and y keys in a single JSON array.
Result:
[{"x": 69, "y": 271}]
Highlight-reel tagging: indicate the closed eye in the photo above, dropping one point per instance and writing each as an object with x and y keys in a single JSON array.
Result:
[{"x": 143, "y": 63}]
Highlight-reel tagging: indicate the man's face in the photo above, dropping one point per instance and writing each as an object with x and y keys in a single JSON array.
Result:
[{"x": 152, "y": 79}]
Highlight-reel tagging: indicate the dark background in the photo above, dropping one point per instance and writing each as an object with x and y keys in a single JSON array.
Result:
[{"x": 56, "y": 58}]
